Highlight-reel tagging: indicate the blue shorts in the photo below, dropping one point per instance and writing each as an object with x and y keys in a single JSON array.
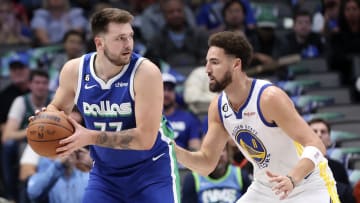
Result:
[{"x": 153, "y": 181}]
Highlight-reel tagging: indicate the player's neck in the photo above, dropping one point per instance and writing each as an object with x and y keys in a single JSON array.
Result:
[
  {"x": 238, "y": 91},
  {"x": 104, "y": 69}
]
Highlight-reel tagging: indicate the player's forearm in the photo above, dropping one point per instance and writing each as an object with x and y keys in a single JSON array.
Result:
[
  {"x": 125, "y": 139},
  {"x": 303, "y": 168},
  {"x": 195, "y": 161},
  {"x": 312, "y": 155}
]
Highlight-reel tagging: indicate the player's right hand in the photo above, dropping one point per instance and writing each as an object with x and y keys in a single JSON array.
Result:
[{"x": 282, "y": 184}]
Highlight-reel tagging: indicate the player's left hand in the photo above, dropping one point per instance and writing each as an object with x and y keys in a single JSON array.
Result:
[
  {"x": 282, "y": 184},
  {"x": 74, "y": 142}
]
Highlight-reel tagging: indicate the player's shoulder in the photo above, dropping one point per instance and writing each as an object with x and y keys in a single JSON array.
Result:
[
  {"x": 274, "y": 98},
  {"x": 71, "y": 66},
  {"x": 147, "y": 69},
  {"x": 271, "y": 93},
  {"x": 148, "y": 65}
]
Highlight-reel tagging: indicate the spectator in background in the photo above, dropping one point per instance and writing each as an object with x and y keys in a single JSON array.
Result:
[
  {"x": 225, "y": 184},
  {"x": 346, "y": 42},
  {"x": 12, "y": 29},
  {"x": 211, "y": 17},
  {"x": 301, "y": 40},
  {"x": 177, "y": 43},
  {"x": 267, "y": 46},
  {"x": 186, "y": 125},
  {"x": 323, "y": 130},
  {"x": 59, "y": 181},
  {"x": 14, "y": 134},
  {"x": 54, "y": 19},
  {"x": 325, "y": 21},
  {"x": 19, "y": 84},
  {"x": 74, "y": 46},
  {"x": 234, "y": 14},
  {"x": 153, "y": 18}
]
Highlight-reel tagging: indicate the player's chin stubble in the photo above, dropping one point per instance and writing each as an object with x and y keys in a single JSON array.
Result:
[{"x": 219, "y": 86}]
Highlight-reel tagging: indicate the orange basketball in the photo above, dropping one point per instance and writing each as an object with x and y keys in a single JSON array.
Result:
[{"x": 46, "y": 130}]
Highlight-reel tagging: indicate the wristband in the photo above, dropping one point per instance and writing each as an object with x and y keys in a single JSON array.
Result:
[
  {"x": 291, "y": 180},
  {"x": 313, "y": 153}
]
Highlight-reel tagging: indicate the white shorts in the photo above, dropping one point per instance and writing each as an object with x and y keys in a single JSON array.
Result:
[{"x": 260, "y": 193}]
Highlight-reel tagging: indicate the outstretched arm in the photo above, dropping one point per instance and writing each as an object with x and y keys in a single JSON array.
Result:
[{"x": 205, "y": 160}]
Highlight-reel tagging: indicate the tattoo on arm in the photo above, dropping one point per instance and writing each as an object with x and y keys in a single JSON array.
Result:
[{"x": 117, "y": 140}]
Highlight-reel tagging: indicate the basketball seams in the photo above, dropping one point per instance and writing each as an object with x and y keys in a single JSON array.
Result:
[
  {"x": 50, "y": 123},
  {"x": 46, "y": 140},
  {"x": 45, "y": 132}
]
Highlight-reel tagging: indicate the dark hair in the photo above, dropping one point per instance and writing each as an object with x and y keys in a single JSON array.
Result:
[
  {"x": 74, "y": 32},
  {"x": 343, "y": 23},
  {"x": 320, "y": 120},
  {"x": 38, "y": 72},
  {"x": 101, "y": 19},
  {"x": 233, "y": 43},
  {"x": 231, "y": 2},
  {"x": 301, "y": 12}
]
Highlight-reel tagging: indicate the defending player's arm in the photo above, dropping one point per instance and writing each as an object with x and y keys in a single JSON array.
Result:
[
  {"x": 205, "y": 160},
  {"x": 277, "y": 107}
]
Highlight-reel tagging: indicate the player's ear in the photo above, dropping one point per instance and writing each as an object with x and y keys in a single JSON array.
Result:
[
  {"x": 99, "y": 42},
  {"x": 237, "y": 63}
]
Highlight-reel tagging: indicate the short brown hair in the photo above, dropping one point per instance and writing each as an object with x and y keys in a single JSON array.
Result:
[
  {"x": 320, "y": 120},
  {"x": 101, "y": 19},
  {"x": 234, "y": 44}
]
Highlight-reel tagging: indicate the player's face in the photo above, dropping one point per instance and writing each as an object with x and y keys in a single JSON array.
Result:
[
  {"x": 302, "y": 25},
  {"x": 218, "y": 68},
  {"x": 74, "y": 46},
  {"x": 321, "y": 130},
  {"x": 169, "y": 95},
  {"x": 119, "y": 43},
  {"x": 39, "y": 86}
]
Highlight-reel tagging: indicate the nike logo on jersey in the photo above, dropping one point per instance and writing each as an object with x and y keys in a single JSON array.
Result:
[
  {"x": 227, "y": 116},
  {"x": 158, "y": 157},
  {"x": 89, "y": 87}
]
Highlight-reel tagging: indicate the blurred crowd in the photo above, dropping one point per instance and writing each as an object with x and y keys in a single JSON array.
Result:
[{"x": 38, "y": 36}]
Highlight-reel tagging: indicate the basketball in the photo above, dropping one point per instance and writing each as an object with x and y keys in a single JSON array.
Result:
[{"x": 46, "y": 130}]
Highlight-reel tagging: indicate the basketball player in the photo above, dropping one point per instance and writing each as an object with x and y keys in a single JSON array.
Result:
[
  {"x": 288, "y": 160},
  {"x": 120, "y": 96}
]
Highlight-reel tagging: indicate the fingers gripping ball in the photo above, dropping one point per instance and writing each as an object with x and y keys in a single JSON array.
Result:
[{"x": 46, "y": 130}]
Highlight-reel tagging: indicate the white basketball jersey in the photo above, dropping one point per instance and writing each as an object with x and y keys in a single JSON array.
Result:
[{"x": 264, "y": 144}]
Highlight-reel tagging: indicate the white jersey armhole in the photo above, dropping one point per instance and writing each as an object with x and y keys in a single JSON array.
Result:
[
  {"x": 78, "y": 88},
  {"x": 131, "y": 88}
]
